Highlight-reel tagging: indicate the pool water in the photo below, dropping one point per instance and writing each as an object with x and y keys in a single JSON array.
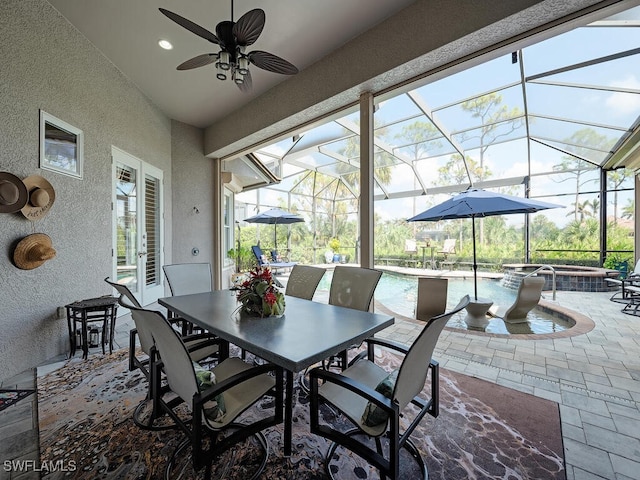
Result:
[{"x": 399, "y": 294}]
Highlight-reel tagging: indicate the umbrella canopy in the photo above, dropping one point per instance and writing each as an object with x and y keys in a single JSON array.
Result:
[
  {"x": 474, "y": 203},
  {"x": 275, "y": 217}
]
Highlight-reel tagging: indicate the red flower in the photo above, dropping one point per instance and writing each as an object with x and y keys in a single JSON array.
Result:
[{"x": 270, "y": 298}]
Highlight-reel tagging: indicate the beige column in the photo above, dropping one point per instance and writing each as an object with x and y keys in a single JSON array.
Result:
[
  {"x": 218, "y": 203},
  {"x": 366, "y": 180},
  {"x": 636, "y": 241}
]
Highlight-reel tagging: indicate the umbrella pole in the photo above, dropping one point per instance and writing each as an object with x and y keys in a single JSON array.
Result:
[{"x": 475, "y": 265}]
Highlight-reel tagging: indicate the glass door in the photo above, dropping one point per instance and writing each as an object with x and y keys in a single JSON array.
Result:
[{"x": 138, "y": 226}]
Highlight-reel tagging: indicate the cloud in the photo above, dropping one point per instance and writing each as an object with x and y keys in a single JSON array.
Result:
[{"x": 625, "y": 103}]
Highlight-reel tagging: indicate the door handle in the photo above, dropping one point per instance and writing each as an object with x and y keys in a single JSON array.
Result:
[{"x": 141, "y": 254}]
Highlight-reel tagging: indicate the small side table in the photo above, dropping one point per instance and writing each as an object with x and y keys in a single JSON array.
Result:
[
  {"x": 477, "y": 313},
  {"x": 432, "y": 259},
  {"x": 101, "y": 309}
]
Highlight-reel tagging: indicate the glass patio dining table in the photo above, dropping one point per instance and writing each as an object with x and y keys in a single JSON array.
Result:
[{"x": 306, "y": 334}]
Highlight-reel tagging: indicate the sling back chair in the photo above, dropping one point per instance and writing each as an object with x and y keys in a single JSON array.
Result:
[
  {"x": 624, "y": 294},
  {"x": 448, "y": 248},
  {"x": 432, "y": 297},
  {"x": 215, "y": 398},
  {"x": 355, "y": 393},
  {"x": 201, "y": 347},
  {"x": 186, "y": 279},
  {"x": 303, "y": 281},
  {"x": 352, "y": 287}
]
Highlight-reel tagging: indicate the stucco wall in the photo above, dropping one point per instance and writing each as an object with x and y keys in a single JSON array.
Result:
[
  {"x": 192, "y": 178},
  {"x": 48, "y": 65}
]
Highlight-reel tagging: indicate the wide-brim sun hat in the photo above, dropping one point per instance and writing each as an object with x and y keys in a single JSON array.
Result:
[
  {"x": 13, "y": 193},
  {"x": 41, "y": 197},
  {"x": 32, "y": 251}
]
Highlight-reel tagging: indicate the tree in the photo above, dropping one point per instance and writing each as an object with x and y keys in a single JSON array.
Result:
[
  {"x": 497, "y": 121},
  {"x": 615, "y": 179},
  {"x": 421, "y": 136},
  {"x": 629, "y": 210},
  {"x": 454, "y": 173},
  {"x": 581, "y": 144}
]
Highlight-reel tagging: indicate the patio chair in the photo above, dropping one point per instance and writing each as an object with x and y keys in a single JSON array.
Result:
[
  {"x": 374, "y": 399},
  {"x": 432, "y": 297},
  {"x": 187, "y": 279},
  {"x": 623, "y": 294},
  {"x": 215, "y": 398},
  {"x": 448, "y": 248},
  {"x": 303, "y": 281},
  {"x": 528, "y": 296},
  {"x": 201, "y": 347},
  {"x": 263, "y": 260},
  {"x": 352, "y": 287}
]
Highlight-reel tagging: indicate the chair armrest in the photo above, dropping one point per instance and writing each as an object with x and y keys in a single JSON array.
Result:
[
  {"x": 205, "y": 343},
  {"x": 369, "y": 353},
  {"x": 397, "y": 346},
  {"x": 234, "y": 380},
  {"x": 198, "y": 336},
  {"x": 356, "y": 387}
]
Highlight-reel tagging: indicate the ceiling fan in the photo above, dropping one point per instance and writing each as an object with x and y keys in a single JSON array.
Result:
[{"x": 233, "y": 38}]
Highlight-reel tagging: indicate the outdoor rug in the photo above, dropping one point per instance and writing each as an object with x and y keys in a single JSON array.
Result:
[
  {"x": 9, "y": 397},
  {"x": 484, "y": 431}
]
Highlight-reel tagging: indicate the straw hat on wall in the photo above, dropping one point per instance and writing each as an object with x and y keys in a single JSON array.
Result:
[
  {"x": 41, "y": 197},
  {"x": 32, "y": 251},
  {"x": 13, "y": 193}
]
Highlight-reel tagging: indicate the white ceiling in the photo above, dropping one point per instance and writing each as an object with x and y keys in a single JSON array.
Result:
[{"x": 301, "y": 31}]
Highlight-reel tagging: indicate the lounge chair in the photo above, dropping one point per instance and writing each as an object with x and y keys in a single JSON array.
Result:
[
  {"x": 624, "y": 294},
  {"x": 448, "y": 248},
  {"x": 529, "y": 293},
  {"x": 263, "y": 260},
  {"x": 632, "y": 299}
]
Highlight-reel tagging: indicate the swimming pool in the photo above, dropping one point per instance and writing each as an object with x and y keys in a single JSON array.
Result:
[{"x": 399, "y": 294}]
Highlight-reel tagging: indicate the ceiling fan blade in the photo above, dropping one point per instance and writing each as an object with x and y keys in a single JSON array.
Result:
[
  {"x": 272, "y": 63},
  {"x": 247, "y": 85},
  {"x": 199, "y": 61},
  {"x": 192, "y": 27},
  {"x": 249, "y": 27}
]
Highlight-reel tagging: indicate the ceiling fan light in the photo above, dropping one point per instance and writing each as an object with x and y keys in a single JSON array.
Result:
[
  {"x": 238, "y": 77},
  {"x": 221, "y": 74},
  {"x": 243, "y": 64},
  {"x": 224, "y": 60}
]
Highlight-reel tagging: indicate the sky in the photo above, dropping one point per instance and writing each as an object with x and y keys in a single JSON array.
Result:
[{"x": 556, "y": 110}]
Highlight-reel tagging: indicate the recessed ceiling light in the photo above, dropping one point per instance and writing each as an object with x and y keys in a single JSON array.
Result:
[{"x": 166, "y": 44}]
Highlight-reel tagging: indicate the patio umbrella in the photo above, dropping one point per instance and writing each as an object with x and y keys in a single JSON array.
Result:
[
  {"x": 275, "y": 217},
  {"x": 476, "y": 202}
]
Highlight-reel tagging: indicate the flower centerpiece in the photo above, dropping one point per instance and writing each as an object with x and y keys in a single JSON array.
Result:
[{"x": 259, "y": 296}]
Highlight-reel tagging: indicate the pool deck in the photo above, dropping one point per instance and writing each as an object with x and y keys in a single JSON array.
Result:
[{"x": 594, "y": 377}]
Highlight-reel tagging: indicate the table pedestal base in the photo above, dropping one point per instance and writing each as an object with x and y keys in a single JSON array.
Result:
[{"x": 477, "y": 313}]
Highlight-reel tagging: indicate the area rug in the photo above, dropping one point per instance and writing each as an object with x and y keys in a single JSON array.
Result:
[
  {"x": 9, "y": 397},
  {"x": 484, "y": 431}
]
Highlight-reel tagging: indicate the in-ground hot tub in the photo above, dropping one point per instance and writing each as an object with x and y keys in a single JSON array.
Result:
[{"x": 568, "y": 277}]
